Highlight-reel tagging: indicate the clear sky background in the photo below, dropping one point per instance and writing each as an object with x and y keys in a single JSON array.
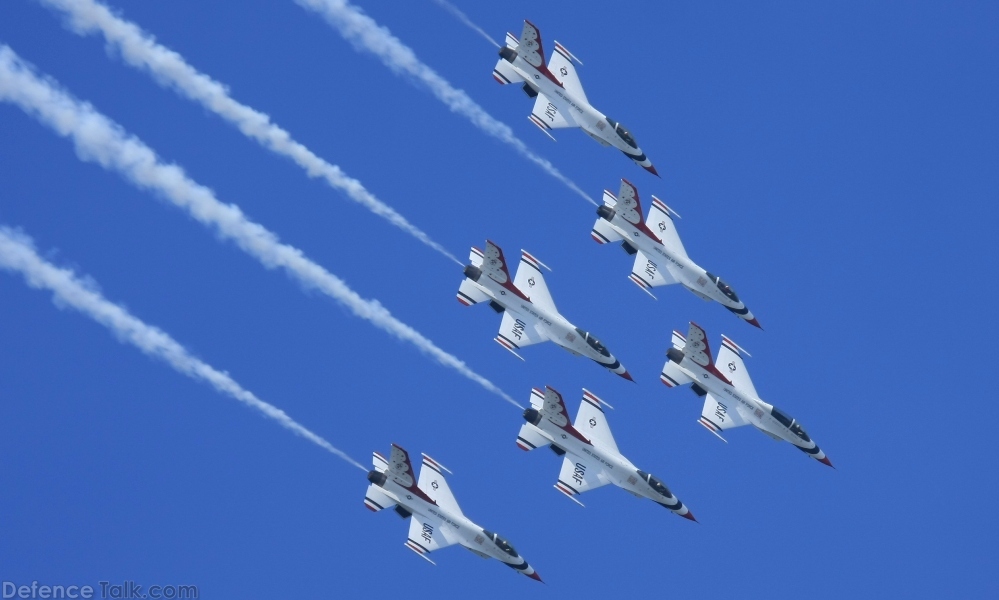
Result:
[{"x": 836, "y": 162}]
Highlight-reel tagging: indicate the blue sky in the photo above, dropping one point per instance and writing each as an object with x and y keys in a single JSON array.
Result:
[{"x": 835, "y": 163}]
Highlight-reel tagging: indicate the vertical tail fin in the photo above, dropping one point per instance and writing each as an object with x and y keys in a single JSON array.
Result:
[
  {"x": 495, "y": 266},
  {"x": 400, "y": 471},
  {"x": 532, "y": 51},
  {"x": 699, "y": 352},
  {"x": 553, "y": 408},
  {"x": 629, "y": 208}
]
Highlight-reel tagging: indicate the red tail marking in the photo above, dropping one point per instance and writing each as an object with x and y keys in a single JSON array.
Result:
[
  {"x": 508, "y": 284},
  {"x": 641, "y": 226},
  {"x": 543, "y": 69}
]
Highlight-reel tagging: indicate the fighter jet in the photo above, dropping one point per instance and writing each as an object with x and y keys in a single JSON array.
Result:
[
  {"x": 730, "y": 399},
  {"x": 591, "y": 456},
  {"x": 529, "y": 313},
  {"x": 659, "y": 255},
  {"x": 437, "y": 521},
  {"x": 559, "y": 98}
]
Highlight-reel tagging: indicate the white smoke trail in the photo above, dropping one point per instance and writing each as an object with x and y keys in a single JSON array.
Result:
[
  {"x": 100, "y": 140},
  {"x": 18, "y": 255},
  {"x": 454, "y": 10},
  {"x": 366, "y": 34},
  {"x": 141, "y": 50}
]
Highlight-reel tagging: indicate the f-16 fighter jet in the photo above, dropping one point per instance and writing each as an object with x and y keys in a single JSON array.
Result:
[
  {"x": 437, "y": 521},
  {"x": 659, "y": 255},
  {"x": 559, "y": 98},
  {"x": 529, "y": 313},
  {"x": 730, "y": 399},
  {"x": 591, "y": 456}
]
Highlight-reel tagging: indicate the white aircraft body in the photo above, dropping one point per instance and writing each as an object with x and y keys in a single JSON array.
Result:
[
  {"x": 529, "y": 313},
  {"x": 591, "y": 458},
  {"x": 730, "y": 399},
  {"x": 437, "y": 521},
  {"x": 660, "y": 258},
  {"x": 559, "y": 98}
]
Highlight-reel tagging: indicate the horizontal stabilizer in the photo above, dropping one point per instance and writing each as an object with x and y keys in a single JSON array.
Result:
[
  {"x": 469, "y": 293},
  {"x": 603, "y": 233},
  {"x": 531, "y": 438},
  {"x": 379, "y": 462},
  {"x": 475, "y": 257},
  {"x": 375, "y": 499},
  {"x": 678, "y": 340},
  {"x": 504, "y": 73},
  {"x": 673, "y": 376}
]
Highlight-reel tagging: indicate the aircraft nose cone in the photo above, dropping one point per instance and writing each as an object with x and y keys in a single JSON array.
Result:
[
  {"x": 652, "y": 169},
  {"x": 535, "y": 576},
  {"x": 690, "y": 516},
  {"x": 627, "y": 376},
  {"x": 825, "y": 460},
  {"x": 754, "y": 323}
]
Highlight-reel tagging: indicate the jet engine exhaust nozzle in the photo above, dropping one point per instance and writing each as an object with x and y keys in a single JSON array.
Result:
[
  {"x": 473, "y": 272},
  {"x": 377, "y": 478},
  {"x": 532, "y": 416},
  {"x": 675, "y": 355},
  {"x": 606, "y": 213},
  {"x": 508, "y": 54}
]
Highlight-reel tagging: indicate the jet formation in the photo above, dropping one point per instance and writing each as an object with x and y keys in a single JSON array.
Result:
[{"x": 590, "y": 455}]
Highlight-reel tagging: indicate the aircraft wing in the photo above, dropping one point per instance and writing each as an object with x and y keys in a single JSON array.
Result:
[
  {"x": 730, "y": 363},
  {"x": 592, "y": 423},
  {"x": 718, "y": 416},
  {"x": 648, "y": 273},
  {"x": 561, "y": 66},
  {"x": 530, "y": 281},
  {"x": 514, "y": 334},
  {"x": 660, "y": 221},
  {"x": 551, "y": 113},
  {"x": 428, "y": 533},
  {"x": 433, "y": 483},
  {"x": 580, "y": 474}
]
